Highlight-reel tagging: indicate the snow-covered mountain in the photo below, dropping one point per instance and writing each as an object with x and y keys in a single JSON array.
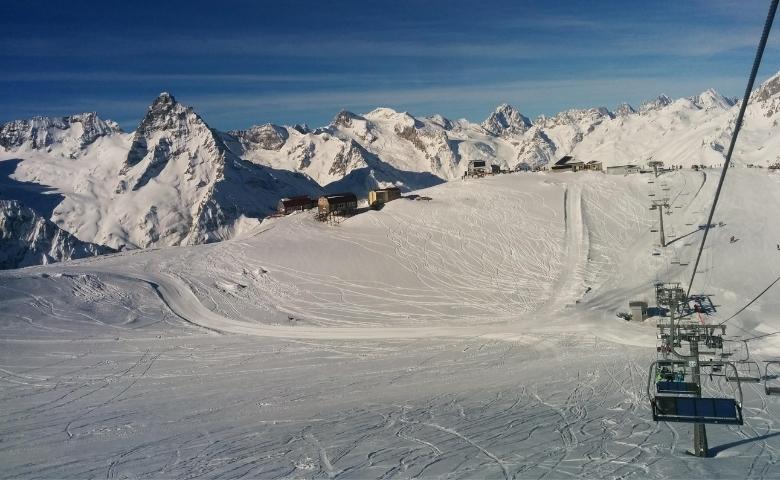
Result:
[
  {"x": 67, "y": 135},
  {"x": 175, "y": 180},
  {"x": 27, "y": 239},
  {"x": 172, "y": 182},
  {"x": 180, "y": 184},
  {"x": 506, "y": 121}
]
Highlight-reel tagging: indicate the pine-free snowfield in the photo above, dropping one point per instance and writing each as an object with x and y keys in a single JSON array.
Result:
[{"x": 444, "y": 338}]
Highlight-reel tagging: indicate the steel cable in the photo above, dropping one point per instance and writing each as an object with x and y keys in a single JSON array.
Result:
[{"x": 737, "y": 127}]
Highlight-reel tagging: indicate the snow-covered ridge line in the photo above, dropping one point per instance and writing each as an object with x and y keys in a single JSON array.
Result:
[{"x": 175, "y": 180}]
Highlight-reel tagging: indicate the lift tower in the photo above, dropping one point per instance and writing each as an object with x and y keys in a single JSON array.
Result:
[
  {"x": 655, "y": 164},
  {"x": 660, "y": 205}
]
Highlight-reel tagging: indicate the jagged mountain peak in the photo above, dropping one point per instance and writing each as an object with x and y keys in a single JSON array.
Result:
[
  {"x": 624, "y": 109},
  {"x": 657, "y": 103},
  {"x": 164, "y": 98},
  {"x": 171, "y": 130},
  {"x": 711, "y": 98},
  {"x": 344, "y": 118},
  {"x": 576, "y": 116},
  {"x": 506, "y": 120},
  {"x": 74, "y": 132}
]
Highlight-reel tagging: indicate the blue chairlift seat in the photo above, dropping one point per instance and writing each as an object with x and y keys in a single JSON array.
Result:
[
  {"x": 689, "y": 388},
  {"x": 697, "y": 410}
]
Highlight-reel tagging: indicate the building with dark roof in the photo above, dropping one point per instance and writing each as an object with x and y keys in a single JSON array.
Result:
[
  {"x": 292, "y": 204},
  {"x": 337, "y": 204}
]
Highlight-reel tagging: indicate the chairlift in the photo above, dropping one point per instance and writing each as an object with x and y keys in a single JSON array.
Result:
[
  {"x": 749, "y": 370},
  {"x": 673, "y": 376},
  {"x": 772, "y": 377},
  {"x": 715, "y": 368},
  {"x": 683, "y": 405}
]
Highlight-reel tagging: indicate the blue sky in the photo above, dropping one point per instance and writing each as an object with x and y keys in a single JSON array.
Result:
[{"x": 240, "y": 63}]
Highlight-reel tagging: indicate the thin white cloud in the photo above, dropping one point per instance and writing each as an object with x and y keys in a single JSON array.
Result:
[{"x": 692, "y": 41}]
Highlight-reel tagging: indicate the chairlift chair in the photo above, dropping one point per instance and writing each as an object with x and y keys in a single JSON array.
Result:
[
  {"x": 687, "y": 407},
  {"x": 749, "y": 372},
  {"x": 772, "y": 372}
]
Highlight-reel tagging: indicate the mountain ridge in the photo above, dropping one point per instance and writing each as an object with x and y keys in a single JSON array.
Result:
[{"x": 178, "y": 181}]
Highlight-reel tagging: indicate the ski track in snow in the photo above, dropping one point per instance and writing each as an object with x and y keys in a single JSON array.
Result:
[{"x": 479, "y": 355}]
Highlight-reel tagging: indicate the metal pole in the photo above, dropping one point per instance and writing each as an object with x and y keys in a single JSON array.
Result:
[
  {"x": 700, "y": 447},
  {"x": 661, "y": 221}
]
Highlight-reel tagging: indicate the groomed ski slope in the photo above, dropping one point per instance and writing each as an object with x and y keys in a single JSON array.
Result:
[{"x": 451, "y": 337}]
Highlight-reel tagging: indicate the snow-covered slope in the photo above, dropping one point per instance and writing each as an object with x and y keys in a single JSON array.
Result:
[
  {"x": 29, "y": 239},
  {"x": 473, "y": 335}
]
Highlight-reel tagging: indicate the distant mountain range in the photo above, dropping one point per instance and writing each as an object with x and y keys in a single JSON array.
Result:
[{"x": 177, "y": 181}]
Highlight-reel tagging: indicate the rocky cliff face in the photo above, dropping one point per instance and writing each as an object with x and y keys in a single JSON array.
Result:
[
  {"x": 265, "y": 137},
  {"x": 29, "y": 239}
]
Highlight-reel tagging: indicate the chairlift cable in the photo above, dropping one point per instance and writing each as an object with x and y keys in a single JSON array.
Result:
[
  {"x": 752, "y": 301},
  {"x": 737, "y": 127},
  {"x": 762, "y": 336}
]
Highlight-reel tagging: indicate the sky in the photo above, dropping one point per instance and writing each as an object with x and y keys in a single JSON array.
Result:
[{"x": 243, "y": 63}]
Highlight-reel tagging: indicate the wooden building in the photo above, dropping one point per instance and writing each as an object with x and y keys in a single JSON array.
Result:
[
  {"x": 343, "y": 204},
  {"x": 383, "y": 195},
  {"x": 293, "y": 204}
]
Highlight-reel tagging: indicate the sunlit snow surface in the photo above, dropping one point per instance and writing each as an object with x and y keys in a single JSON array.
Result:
[{"x": 449, "y": 338}]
